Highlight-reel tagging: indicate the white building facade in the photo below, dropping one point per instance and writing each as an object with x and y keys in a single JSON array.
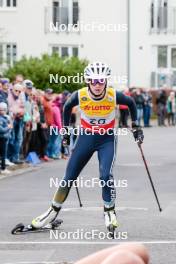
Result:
[
  {"x": 136, "y": 38},
  {"x": 153, "y": 43}
]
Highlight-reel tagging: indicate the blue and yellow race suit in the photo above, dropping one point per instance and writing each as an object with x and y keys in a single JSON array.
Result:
[{"x": 98, "y": 122}]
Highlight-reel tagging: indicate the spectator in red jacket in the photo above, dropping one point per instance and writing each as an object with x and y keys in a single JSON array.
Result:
[
  {"x": 48, "y": 113},
  {"x": 47, "y": 104}
]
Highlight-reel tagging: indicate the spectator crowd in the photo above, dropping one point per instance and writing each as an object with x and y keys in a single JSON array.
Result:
[
  {"x": 27, "y": 114},
  {"x": 160, "y": 104}
]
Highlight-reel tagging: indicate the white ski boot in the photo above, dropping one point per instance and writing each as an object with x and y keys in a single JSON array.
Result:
[
  {"x": 47, "y": 218},
  {"x": 111, "y": 220}
]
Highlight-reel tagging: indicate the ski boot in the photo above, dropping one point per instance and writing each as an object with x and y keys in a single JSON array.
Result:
[
  {"x": 42, "y": 223},
  {"x": 47, "y": 218},
  {"x": 111, "y": 220}
]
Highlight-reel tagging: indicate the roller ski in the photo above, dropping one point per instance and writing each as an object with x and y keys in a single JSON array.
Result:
[
  {"x": 42, "y": 223},
  {"x": 111, "y": 221}
]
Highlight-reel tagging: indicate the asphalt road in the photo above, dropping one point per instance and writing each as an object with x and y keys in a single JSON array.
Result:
[{"x": 24, "y": 196}]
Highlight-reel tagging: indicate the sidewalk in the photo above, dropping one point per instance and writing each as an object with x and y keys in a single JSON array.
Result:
[{"x": 19, "y": 169}]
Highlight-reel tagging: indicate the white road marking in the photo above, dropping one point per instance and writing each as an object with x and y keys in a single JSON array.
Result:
[
  {"x": 100, "y": 209},
  {"x": 36, "y": 262},
  {"x": 138, "y": 164},
  {"x": 85, "y": 242}
]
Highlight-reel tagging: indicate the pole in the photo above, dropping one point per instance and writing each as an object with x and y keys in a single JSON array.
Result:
[
  {"x": 79, "y": 198},
  {"x": 150, "y": 178}
]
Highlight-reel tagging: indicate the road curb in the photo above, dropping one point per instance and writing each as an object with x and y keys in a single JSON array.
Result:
[
  {"x": 20, "y": 171},
  {"x": 27, "y": 169}
]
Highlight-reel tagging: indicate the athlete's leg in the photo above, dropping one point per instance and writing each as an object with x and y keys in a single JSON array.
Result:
[
  {"x": 81, "y": 154},
  {"x": 106, "y": 156}
]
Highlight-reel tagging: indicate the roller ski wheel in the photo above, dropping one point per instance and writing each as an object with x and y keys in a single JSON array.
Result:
[
  {"x": 22, "y": 229},
  {"x": 17, "y": 229}
]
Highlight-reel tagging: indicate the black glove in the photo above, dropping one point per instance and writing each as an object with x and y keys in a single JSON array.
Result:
[
  {"x": 137, "y": 133},
  {"x": 66, "y": 137}
]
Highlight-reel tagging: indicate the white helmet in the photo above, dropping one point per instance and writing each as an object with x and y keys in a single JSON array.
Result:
[{"x": 97, "y": 70}]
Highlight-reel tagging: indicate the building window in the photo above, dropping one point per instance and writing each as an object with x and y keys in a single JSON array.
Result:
[
  {"x": 165, "y": 14},
  {"x": 159, "y": 15},
  {"x": 173, "y": 57},
  {"x": 165, "y": 72},
  {"x": 65, "y": 12},
  {"x": 162, "y": 57},
  {"x": 14, "y": 53},
  {"x": 1, "y": 54},
  {"x": 55, "y": 12},
  {"x": 55, "y": 49},
  {"x": 8, "y": 3},
  {"x": 66, "y": 51},
  {"x": 174, "y": 79},
  {"x": 75, "y": 52},
  {"x": 152, "y": 15},
  {"x": 162, "y": 14},
  {"x": 75, "y": 12},
  {"x": 8, "y": 54}
]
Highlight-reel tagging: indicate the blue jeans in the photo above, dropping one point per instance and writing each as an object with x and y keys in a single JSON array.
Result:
[
  {"x": 53, "y": 145},
  {"x": 57, "y": 147},
  {"x": 139, "y": 115},
  {"x": 3, "y": 150},
  {"x": 147, "y": 113},
  {"x": 15, "y": 140}
]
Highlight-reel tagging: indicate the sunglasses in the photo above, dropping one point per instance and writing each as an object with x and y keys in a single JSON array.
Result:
[{"x": 97, "y": 81}]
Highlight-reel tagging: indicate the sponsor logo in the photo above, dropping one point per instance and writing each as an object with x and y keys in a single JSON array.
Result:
[
  {"x": 110, "y": 98},
  {"x": 97, "y": 107},
  {"x": 84, "y": 98}
]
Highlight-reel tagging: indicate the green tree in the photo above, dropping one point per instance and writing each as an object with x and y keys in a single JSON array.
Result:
[{"x": 47, "y": 71}]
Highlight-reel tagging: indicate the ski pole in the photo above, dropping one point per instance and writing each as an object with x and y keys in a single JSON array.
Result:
[
  {"x": 149, "y": 175},
  {"x": 77, "y": 191}
]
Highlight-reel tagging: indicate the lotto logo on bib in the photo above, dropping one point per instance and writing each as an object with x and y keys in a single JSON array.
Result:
[
  {"x": 97, "y": 108},
  {"x": 92, "y": 108}
]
